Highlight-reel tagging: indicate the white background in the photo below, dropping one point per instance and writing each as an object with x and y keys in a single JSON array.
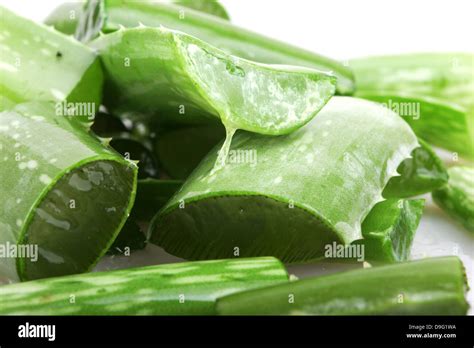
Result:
[{"x": 345, "y": 29}]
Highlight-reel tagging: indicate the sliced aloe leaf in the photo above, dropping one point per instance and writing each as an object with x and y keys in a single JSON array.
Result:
[
  {"x": 432, "y": 91},
  {"x": 188, "y": 288},
  {"x": 422, "y": 173},
  {"x": 39, "y": 63},
  {"x": 64, "y": 192},
  {"x": 151, "y": 69},
  {"x": 66, "y": 16},
  {"x": 433, "y": 286},
  {"x": 457, "y": 197},
  {"x": 389, "y": 229},
  {"x": 224, "y": 35},
  {"x": 180, "y": 150},
  {"x": 291, "y": 195}
]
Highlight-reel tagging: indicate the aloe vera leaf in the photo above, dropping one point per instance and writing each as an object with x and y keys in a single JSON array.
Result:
[
  {"x": 188, "y": 288},
  {"x": 422, "y": 173},
  {"x": 389, "y": 229},
  {"x": 66, "y": 16},
  {"x": 41, "y": 64},
  {"x": 299, "y": 193},
  {"x": 180, "y": 150},
  {"x": 224, "y": 35},
  {"x": 156, "y": 69},
  {"x": 440, "y": 84},
  {"x": 457, "y": 197},
  {"x": 62, "y": 190},
  {"x": 434, "y": 286}
]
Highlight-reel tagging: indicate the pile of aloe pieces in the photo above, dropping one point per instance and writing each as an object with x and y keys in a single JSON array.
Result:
[{"x": 125, "y": 123}]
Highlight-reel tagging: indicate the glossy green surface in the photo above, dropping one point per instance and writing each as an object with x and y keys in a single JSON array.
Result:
[
  {"x": 222, "y": 34},
  {"x": 389, "y": 229},
  {"x": 288, "y": 196},
  {"x": 65, "y": 17},
  {"x": 439, "y": 85},
  {"x": 457, "y": 197},
  {"x": 422, "y": 173},
  {"x": 434, "y": 286},
  {"x": 39, "y": 63},
  {"x": 188, "y": 288},
  {"x": 61, "y": 190},
  {"x": 172, "y": 76}
]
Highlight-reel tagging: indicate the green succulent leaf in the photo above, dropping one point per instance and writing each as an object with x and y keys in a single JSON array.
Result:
[
  {"x": 431, "y": 91},
  {"x": 63, "y": 192},
  {"x": 433, "y": 286},
  {"x": 188, "y": 288},
  {"x": 291, "y": 195},
  {"x": 457, "y": 197},
  {"x": 41, "y": 64}
]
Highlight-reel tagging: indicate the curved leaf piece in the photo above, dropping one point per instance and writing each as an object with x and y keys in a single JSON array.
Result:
[
  {"x": 435, "y": 286},
  {"x": 153, "y": 70},
  {"x": 66, "y": 16},
  {"x": 65, "y": 196},
  {"x": 389, "y": 229},
  {"x": 457, "y": 197},
  {"x": 423, "y": 172},
  {"x": 431, "y": 91},
  {"x": 291, "y": 195},
  {"x": 187, "y": 288},
  {"x": 41, "y": 64}
]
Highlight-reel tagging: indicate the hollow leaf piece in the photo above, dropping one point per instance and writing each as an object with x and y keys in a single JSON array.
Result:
[
  {"x": 291, "y": 195},
  {"x": 433, "y": 286},
  {"x": 151, "y": 70},
  {"x": 41, "y": 64},
  {"x": 431, "y": 91},
  {"x": 63, "y": 192},
  {"x": 389, "y": 230},
  {"x": 65, "y": 17},
  {"x": 188, "y": 288},
  {"x": 457, "y": 197}
]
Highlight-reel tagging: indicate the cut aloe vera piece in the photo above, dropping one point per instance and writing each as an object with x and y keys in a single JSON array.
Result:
[
  {"x": 41, "y": 64},
  {"x": 222, "y": 34},
  {"x": 66, "y": 16},
  {"x": 291, "y": 195},
  {"x": 457, "y": 197},
  {"x": 422, "y": 173},
  {"x": 152, "y": 70},
  {"x": 63, "y": 192},
  {"x": 188, "y": 288},
  {"x": 180, "y": 150},
  {"x": 389, "y": 229},
  {"x": 432, "y": 91},
  {"x": 433, "y": 286}
]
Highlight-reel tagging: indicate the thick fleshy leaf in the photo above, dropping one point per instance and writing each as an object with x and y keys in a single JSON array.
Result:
[
  {"x": 434, "y": 286},
  {"x": 288, "y": 196},
  {"x": 64, "y": 193},
  {"x": 431, "y": 91},
  {"x": 457, "y": 197},
  {"x": 188, "y": 288}
]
